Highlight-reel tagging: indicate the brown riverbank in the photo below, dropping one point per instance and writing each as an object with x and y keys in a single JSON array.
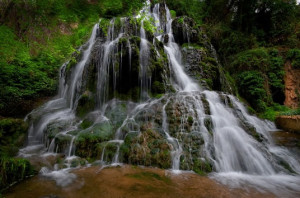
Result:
[{"x": 129, "y": 181}]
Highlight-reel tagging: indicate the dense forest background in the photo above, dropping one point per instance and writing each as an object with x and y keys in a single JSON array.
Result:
[{"x": 255, "y": 40}]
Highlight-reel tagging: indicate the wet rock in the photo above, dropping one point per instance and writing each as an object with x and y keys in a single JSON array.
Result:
[
  {"x": 107, "y": 151},
  {"x": 87, "y": 140},
  {"x": 149, "y": 149},
  {"x": 205, "y": 105},
  {"x": 208, "y": 124},
  {"x": 86, "y": 104},
  {"x": 184, "y": 30},
  {"x": 166, "y": 38},
  {"x": 289, "y": 123},
  {"x": 62, "y": 143}
]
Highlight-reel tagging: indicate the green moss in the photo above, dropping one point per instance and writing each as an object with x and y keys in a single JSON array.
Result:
[
  {"x": 104, "y": 25},
  {"x": 294, "y": 56},
  {"x": 173, "y": 14},
  {"x": 190, "y": 120},
  {"x": 86, "y": 104},
  {"x": 86, "y": 124},
  {"x": 87, "y": 141},
  {"x": 193, "y": 45},
  {"x": 62, "y": 142},
  {"x": 208, "y": 124},
  {"x": 158, "y": 87},
  {"x": 148, "y": 149},
  {"x": 12, "y": 136},
  {"x": 201, "y": 167},
  {"x": 14, "y": 170}
]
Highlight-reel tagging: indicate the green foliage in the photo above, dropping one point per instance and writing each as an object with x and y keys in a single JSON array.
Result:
[
  {"x": 268, "y": 20},
  {"x": 294, "y": 56},
  {"x": 291, "y": 112},
  {"x": 202, "y": 167},
  {"x": 273, "y": 111},
  {"x": 173, "y": 14},
  {"x": 29, "y": 65},
  {"x": 116, "y": 8},
  {"x": 251, "y": 86},
  {"x": 190, "y": 8},
  {"x": 268, "y": 86},
  {"x": 38, "y": 36},
  {"x": 12, "y": 135},
  {"x": 254, "y": 59},
  {"x": 13, "y": 170}
]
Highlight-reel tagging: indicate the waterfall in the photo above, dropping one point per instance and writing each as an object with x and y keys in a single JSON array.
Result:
[
  {"x": 201, "y": 128},
  {"x": 76, "y": 79}
]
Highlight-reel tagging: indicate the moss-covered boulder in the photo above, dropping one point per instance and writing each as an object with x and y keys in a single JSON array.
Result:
[
  {"x": 87, "y": 140},
  {"x": 148, "y": 148},
  {"x": 86, "y": 103}
]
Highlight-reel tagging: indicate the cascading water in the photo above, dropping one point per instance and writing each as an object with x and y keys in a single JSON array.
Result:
[{"x": 202, "y": 129}]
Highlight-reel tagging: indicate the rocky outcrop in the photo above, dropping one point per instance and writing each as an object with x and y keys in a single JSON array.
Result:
[
  {"x": 185, "y": 30},
  {"x": 292, "y": 86},
  {"x": 199, "y": 56},
  {"x": 288, "y": 123}
]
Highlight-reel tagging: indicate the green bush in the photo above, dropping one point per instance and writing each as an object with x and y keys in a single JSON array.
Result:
[
  {"x": 291, "y": 112},
  {"x": 273, "y": 111},
  {"x": 191, "y": 8},
  {"x": 294, "y": 56},
  {"x": 254, "y": 59},
  {"x": 251, "y": 87}
]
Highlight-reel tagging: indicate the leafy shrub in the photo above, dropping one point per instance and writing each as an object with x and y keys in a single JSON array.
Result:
[
  {"x": 254, "y": 59},
  {"x": 291, "y": 112},
  {"x": 294, "y": 56},
  {"x": 251, "y": 87}
]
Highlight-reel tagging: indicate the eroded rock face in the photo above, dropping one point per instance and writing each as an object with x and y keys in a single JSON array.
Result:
[{"x": 292, "y": 86}]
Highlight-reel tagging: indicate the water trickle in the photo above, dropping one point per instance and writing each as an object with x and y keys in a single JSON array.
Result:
[
  {"x": 71, "y": 146},
  {"x": 76, "y": 79}
]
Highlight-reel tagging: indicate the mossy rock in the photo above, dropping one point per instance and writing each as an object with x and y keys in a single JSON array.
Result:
[
  {"x": 208, "y": 124},
  {"x": 87, "y": 140},
  {"x": 202, "y": 166},
  {"x": 56, "y": 127},
  {"x": 205, "y": 104},
  {"x": 149, "y": 149},
  {"x": 86, "y": 103},
  {"x": 110, "y": 150},
  {"x": 14, "y": 170},
  {"x": 86, "y": 124},
  {"x": 185, "y": 30},
  {"x": 62, "y": 142},
  {"x": 117, "y": 113}
]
